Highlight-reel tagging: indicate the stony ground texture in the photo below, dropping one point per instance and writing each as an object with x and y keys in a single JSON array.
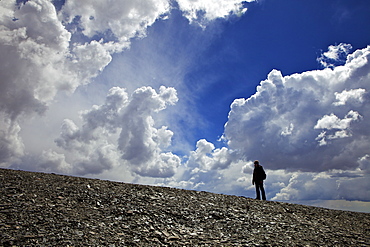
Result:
[{"x": 38, "y": 209}]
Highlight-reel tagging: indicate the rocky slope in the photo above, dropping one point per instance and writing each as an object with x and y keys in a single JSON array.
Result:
[{"x": 38, "y": 209}]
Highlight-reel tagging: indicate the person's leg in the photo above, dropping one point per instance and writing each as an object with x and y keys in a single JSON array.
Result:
[
  {"x": 262, "y": 191},
  {"x": 257, "y": 191}
]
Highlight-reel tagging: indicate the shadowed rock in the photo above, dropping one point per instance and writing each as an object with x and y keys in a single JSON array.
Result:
[{"x": 54, "y": 210}]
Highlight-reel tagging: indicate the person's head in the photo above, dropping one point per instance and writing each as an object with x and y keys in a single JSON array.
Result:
[{"x": 256, "y": 163}]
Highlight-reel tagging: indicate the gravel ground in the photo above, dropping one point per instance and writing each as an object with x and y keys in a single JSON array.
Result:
[{"x": 39, "y": 209}]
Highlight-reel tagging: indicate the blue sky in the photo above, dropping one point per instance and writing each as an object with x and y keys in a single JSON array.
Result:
[
  {"x": 232, "y": 56},
  {"x": 188, "y": 93}
]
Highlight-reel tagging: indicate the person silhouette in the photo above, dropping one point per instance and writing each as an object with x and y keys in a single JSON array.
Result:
[{"x": 258, "y": 176}]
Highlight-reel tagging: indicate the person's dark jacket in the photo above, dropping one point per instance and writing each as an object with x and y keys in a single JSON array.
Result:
[{"x": 258, "y": 174}]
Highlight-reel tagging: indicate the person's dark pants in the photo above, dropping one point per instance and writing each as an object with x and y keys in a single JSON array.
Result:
[{"x": 259, "y": 187}]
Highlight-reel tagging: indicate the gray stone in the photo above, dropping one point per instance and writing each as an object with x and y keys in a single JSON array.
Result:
[{"x": 39, "y": 209}]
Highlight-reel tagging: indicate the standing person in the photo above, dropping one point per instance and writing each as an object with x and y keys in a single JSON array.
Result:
[{"x": 258, "y": 176}]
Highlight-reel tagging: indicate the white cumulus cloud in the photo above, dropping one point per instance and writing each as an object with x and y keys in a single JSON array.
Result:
[
  {"x": 353, "y": 96},
  {"x": 115, "y": 22},
  {"x": 332, "y": 185},
  {"x": 288, "y": 120},
  {"x": 122, "y": 130},
  {"x": 207, "y": 157},
  {"x": 195, "y": 10},
  {"x": 47, "y": 50},
  {"x": 336, "y": 54}
]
